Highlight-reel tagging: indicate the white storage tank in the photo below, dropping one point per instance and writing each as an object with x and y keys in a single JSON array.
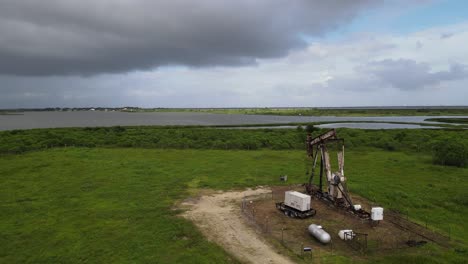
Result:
[
  {"x": 319, "y": 233},
  {"x": 297, "y": 200},
  {"x": 377, "y": 213},
  {"x": 346, "y": 234}
]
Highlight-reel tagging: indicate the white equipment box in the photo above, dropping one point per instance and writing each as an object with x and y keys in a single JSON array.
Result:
[
  {"x": 297, "y": 200},
  {"x": 377, "y": 213}
]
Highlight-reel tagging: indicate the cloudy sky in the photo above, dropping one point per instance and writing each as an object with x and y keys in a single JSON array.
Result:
[{"x": 243, "y": 53}]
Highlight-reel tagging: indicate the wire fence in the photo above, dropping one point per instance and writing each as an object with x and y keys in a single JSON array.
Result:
[
  {"x": 405, "y": 235},
  {"x": 250, "y": 212}
]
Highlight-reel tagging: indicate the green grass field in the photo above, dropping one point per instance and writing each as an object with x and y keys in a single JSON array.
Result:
[{"x": 115, "y": 205}]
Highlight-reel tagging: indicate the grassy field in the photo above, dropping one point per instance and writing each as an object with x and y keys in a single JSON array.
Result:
[{"x": 114, "y": 205}]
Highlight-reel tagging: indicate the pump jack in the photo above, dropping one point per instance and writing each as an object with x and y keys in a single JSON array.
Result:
[{"x": 336, "y": 188}]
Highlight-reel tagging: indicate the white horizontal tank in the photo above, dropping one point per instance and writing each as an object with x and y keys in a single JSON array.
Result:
[
  {"x": 346, "y": 234},
  {"x": 377, "y": 213},
  {"x": 319, "y": 233}
]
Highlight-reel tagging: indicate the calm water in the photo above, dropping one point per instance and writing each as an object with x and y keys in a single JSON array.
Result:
[
  {"x": 30, "y": 120},
  {"x": 374, "y": 126},
  {"x": 346, "y": 125}
]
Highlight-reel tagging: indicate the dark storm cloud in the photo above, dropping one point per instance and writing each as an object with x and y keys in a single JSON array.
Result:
[
  {"x": 408, "y": 74},
  {"x": 107, "y": 90},
  {"x": 86, "y": 37}
]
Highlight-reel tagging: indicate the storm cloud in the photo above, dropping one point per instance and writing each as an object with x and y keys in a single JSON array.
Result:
[
  {"x": 88, "y": 37},
  {"x": 262, "y": 53}
]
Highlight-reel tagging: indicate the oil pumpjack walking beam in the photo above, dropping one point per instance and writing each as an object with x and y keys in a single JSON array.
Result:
[{"x": 336, "y": 188}]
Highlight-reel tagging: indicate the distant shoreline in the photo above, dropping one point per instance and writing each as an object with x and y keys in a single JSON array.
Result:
[
  {"x": 415, "y": 107},
  {"x": 357, "y": 111}
]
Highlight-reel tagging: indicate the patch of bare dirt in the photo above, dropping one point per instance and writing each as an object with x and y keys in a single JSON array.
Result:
[
  {"x": 219, "y": 218},
  {"x": 244, "y": 222},
  {"x": 384, "y": 238}
]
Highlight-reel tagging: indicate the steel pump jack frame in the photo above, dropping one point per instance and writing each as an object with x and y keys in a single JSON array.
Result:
[{"x": 337, "y": 192}]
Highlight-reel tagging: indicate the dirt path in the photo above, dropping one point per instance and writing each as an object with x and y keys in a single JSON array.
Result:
[{"x": 219, "y": 218}]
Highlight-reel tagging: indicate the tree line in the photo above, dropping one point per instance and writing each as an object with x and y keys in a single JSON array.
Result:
[{"x": 448, "y": 143}]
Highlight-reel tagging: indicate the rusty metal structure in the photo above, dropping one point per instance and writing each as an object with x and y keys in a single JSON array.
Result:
[{"x": 332, "y": 185}]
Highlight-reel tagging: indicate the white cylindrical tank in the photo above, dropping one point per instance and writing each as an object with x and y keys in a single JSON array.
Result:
[
  {"x": 319, "y": 233},
  {"x": 346, "y": 234}
]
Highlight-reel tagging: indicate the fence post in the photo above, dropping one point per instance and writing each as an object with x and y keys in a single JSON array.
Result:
[
  {"x": 267, "y": 226},
  {"x": 282, "y": 236}
]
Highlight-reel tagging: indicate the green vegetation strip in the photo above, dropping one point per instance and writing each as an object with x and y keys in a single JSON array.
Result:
[
  {"x": 19, "y": 141},
  {"x": 116, "y": 205},
  {"x": 10, "y": 113}
]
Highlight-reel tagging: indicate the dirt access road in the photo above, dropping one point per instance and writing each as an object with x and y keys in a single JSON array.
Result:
[{"x": 219, "y": 218}]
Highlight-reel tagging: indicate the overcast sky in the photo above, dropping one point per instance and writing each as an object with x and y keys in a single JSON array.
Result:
[{"x": 243, "y": 53}]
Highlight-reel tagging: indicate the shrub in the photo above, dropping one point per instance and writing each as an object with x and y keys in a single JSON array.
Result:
[
  {"x": 311, "y": 128},
  {"x": 450, "y": 153}
]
